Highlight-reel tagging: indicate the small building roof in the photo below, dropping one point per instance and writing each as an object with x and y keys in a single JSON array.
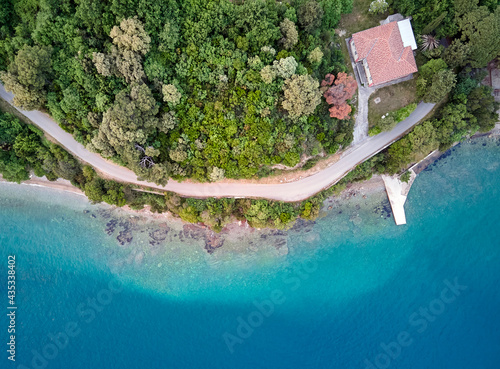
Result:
[
  {"x": 407, "y": 34},
  {"x": 385, "y": 51}
]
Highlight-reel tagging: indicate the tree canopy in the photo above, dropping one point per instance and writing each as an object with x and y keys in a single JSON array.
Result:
[{"x": 194, "y": 88}]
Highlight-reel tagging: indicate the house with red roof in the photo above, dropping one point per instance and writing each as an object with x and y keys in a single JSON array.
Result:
[{"x": 384, "y": 53}]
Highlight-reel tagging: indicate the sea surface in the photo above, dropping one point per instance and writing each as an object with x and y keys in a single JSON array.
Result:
[{"x": 97, "y": 288}]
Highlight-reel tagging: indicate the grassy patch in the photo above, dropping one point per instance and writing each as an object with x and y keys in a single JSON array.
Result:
[
  {"x": 360, "y": 19},
  {"x": 347, "y": 59},
  {"x": 392, "y": 98}
]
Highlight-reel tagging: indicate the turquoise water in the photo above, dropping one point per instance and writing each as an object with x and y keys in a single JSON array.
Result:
[{"x": 350, "y": 291}]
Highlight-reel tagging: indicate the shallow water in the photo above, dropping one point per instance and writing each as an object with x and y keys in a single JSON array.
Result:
[{"x": 350, "y": 291}]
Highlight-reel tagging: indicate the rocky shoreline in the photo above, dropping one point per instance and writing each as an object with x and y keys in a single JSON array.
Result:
[
  {"x": 158, "y": 229},
  {"x": 126, "y": 224},
  {"x": 143, "y": 238},
  {"x": 156, "y": 232}
]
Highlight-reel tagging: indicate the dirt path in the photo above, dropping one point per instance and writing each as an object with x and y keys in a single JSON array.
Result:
[{"x": 292, "y": 191}]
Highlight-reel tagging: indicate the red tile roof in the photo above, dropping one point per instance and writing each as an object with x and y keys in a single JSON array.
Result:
[{"x": 385, "y": 54}]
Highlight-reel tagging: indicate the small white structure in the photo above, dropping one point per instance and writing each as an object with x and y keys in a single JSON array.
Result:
[{"x": 407, "y": 35}]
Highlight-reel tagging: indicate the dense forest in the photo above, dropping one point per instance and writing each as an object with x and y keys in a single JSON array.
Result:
[
  {"x": 205, "y": 89},
  {"x": 23, "y": 148}
]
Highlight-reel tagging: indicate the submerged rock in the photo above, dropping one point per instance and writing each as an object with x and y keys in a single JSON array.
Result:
[
  {"x": 213, "y": 241},
  {"x": 158, "y": 235},
  {"x": 303, "y": 226},
  {"x": 125, "y": 237},
  {"x": 194, "y": 231}
]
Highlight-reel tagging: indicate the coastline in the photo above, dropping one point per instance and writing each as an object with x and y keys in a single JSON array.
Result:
[
  {"x": 127, "y": 226},
  {"x": 364, "y": 188},
  {"x": 59, "y": 184},
  {"x": 358, "y": 208},
  {"x": 355, "y": 189}
]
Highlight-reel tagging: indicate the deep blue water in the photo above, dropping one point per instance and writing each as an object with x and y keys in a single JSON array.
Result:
[{"x": 353, "y": 291}]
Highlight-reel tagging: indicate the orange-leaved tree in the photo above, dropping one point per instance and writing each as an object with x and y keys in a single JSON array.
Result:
[
  {"x": 328, "y": 80},
  {"x": 337, "y": 95},
  {"x": 340, "y": 111}
]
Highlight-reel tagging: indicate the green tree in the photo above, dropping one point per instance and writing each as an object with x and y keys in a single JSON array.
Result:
[
  {"x": 423, "y": 140},
  {"x": 481, "y": 32},
  {"x": 332, "y": 11},
  {"x": 27, "y": 76},
  {"x": 457, "y": 54},
  {"x": 130, "y": 35},
  {"x": 429, "y": 69},
  {"x": 114, "y": 194},
  {"x": 378, "y": 7},
  {"x": 267, "y": 74},
  {"x": 94, "y": 190},
  {"x": 169, "y": 36},
  {"x": 128, "y": 122},
  {"x": 442, "y": 83},
  {"x": 435, "y": 23},
  {"x": 125, "y": 59},
  {"x": 455, "y": 123},
  {"x": 290, "y": 34},
  {"x": 216, "y": 174},
  {"x": 315, "y": 56},
  {"x": 398, "y": 156},
  {"x": 12, "y": 167},
  {"x": 285, "y": 67},
  {"x": 302, "y": 95},
  {"x": 481, "y": 103},
  {"x": 464, "y": 6},
  {"x": 128, "y": 64},
  {"x": 105, "y": 64},
  {"x": 310, "y": 15},
  {"x": 171, "y": 94},
  {"x": 435, "y": 80}
]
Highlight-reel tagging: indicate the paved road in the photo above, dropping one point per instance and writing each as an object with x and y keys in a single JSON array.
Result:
[
  {"x": 294, "y": 191},
  {"x": 361, "y": 126}
]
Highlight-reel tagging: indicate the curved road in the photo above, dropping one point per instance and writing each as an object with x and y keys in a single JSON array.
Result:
[{"x": 293, "y": 191}]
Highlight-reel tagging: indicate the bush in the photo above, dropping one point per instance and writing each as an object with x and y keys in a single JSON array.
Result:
[
  {"x": 405, "y": 177},
  {"x": 291, "y": 159},
  {"x": 374, "y": 131},
  {"x": 378, "y": 7},
  {"x": 310, "y": 163},
  {"x": 389, "y": 120}
]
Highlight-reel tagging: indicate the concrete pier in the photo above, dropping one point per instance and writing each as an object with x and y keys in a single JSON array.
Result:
[
  {"x": 397, "y": 192},
  {"x": 393, "y": 188}
]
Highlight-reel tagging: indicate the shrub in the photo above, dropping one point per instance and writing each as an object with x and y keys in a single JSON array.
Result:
[
  {"x": 378, "y": 7},
  {"x": 291, "y": 159},
  {"x": 389, "y": 120},
  {"x": 405, "y": 177},
  {"x": 374, "y": 131}
]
